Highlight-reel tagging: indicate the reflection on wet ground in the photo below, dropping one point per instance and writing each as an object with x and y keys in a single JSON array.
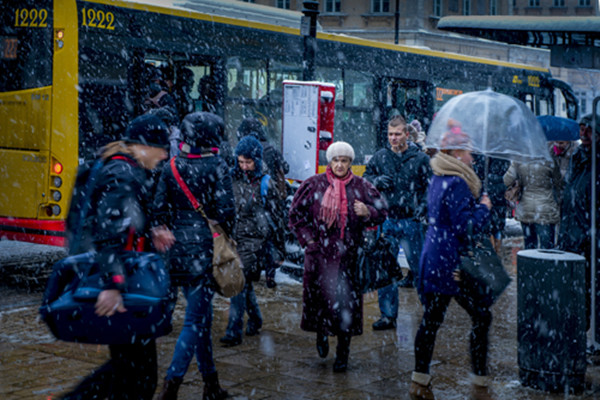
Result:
[{"x": 282, "y": 362}]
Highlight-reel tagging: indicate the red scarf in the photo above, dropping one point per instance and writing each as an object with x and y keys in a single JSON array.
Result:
[{"x": 335, "y": 202}]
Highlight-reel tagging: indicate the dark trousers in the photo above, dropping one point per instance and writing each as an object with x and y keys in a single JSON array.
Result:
[
  {"x": 435, "y": 310},
  {"x": 130, "y": 374}
]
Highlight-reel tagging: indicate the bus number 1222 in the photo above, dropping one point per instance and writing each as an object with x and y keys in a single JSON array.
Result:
[
  {"x": 31, "y": 18},
  {"x": 97, "y": 19}
]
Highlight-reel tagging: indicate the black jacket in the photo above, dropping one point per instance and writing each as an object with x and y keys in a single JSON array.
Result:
[
  {"x": 575, "y": 224},
  {"x": 120, "y": 204},
  {"x": 410, "y": 172},
  {"x": 209, "y": 181},
  {"x": 495, "y": 189}
]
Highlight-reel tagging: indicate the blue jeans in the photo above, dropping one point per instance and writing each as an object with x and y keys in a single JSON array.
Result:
[
  {"x": 243, "y": 302},
  {"x": 407, "y": 233},
  {"x": 544, "y": 233},
  {"x": 195, "y": 337}
]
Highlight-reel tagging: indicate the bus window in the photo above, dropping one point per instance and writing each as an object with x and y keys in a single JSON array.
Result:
[
  {"x": 25, "y": 49},
  {"x": 246, "y": 78},
  {"x": 409, "y": 99},
  {"x": 332, "y": 75},
  {"x": 530, "y": 102},
  {"x": 358, "y": 89}
]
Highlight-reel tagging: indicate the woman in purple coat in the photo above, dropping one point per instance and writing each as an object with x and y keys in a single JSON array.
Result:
[
  {"x": 452, "y": 208},
  {"x": 328, "y": 215}
]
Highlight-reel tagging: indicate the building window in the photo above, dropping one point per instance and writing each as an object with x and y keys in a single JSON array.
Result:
[
  {"x": 437, "y": 8},
  {"x": 380, "y": 6},
  {"x": 534, "y": 3},
  {"x": 248, "y": 1},
  {"x": 283, "y": 4},
  {"x": 584, "y": 3},
  {"x": 466, "y": 7},
  {"x": 559, "y": 3},
  {"x": 493, "y": 7},
  {"x": 333, "y": 6}
]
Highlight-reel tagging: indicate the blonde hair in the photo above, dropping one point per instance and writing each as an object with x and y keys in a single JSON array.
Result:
[{"x": 116, "y": 147}]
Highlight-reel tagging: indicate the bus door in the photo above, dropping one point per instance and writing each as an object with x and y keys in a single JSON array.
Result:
[{"x": 409, "y": 98}]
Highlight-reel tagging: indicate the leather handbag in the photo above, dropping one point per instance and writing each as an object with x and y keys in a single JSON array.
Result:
[
  {"x": 377, "y": 264},
  {"x": 483, "y": 275},
  {"x": 227, "y": 265},
  {"x": 68, "y": 305}
]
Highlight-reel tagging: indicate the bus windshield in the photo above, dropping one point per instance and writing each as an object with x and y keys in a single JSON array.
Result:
[{"x": 25, "y": 44}]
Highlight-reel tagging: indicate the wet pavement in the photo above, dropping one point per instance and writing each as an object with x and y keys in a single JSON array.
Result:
[{"x": 282, "y": 362}]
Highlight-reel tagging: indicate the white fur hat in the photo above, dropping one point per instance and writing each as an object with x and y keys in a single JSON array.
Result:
[{"x": 340, "y": 149}]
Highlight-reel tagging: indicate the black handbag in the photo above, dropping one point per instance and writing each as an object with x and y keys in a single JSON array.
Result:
[
  {"x": 377, "y": 264},
  {"x": 75, "y": 283},
  {"x": 482, "y": 273}
]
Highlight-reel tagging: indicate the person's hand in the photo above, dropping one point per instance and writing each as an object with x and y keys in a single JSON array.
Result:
[
  {"x": 162, "y": 238},
  {"x": 456, "y": 275},
  {"x": 485, "y": 200},
  {"x": 383, "y": 182},
  {"x": 361, "y": 209},
  {"x": 109, "y": 302}
]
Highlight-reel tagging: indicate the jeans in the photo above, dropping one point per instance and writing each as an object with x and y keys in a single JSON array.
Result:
[
  {"x": 435, "y": 309},
  {"x": 243, "y": 302},
  {"x": 544, "y": 233},
  {"x": 407, "y": 233},
  {"x": 195, "y": 337},
  {"x": 130, "y": 374}
]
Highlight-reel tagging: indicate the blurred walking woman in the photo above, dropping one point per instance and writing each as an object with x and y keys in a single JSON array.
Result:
[
  {"x": 452, "y": 206},
  {"x": 328, "y": 215},
  {"x": 190, "y": 256}
]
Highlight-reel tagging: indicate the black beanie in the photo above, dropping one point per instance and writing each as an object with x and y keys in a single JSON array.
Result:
[
  {"x": 203, "y": 129},
  {"x": 148, "y": 130},
  {"x": 251, "y": 127}
]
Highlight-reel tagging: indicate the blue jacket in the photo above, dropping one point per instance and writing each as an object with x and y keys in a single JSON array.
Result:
[{"x": 451, "y": 206}]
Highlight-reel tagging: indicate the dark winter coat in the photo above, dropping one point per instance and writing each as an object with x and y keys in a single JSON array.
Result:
[
  {"x": 330, "y": 269},
  {"x": 190, "y": 258},
  {"x": 259, "y": 219},
  {"x": 410, "y": 171},
  {"x": 120, "y": 204},
  {"x": 495, "y": 189},
  {"x": 276, "y": 167},
  {"x": 575, "y": 224},
  {"x": 451, "y": 208}
]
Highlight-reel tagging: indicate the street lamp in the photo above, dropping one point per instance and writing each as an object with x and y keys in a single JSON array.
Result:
[{"x": 308, "y": 30}]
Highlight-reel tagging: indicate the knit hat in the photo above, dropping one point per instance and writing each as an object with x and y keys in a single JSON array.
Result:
[
  {"x": 455, "y": 138},
  {"x": 148, "y": 130},
  {"x": 340, "y": 149},
  {"x": 202, "y": 129},
  {"x": 416, "y": 124},
  {"x": 251, "y": 127},
  {"x": 167, "y": 114},
  {"x": 587, "y": 120},
  {"x": 250, "y": 147}
]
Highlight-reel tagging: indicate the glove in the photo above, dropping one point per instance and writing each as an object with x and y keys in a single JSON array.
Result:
[{"x": 383, "y": 182}]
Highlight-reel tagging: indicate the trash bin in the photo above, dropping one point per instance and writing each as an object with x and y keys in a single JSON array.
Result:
[{"x": 551, "y": 320}]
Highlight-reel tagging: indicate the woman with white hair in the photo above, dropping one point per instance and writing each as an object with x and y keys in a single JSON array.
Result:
[{"x": 328, "y": 215}]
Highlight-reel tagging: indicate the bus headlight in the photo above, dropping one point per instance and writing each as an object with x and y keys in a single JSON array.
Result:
[
  {"x": 57, "y": 181},
  {"x": 56, "y": 195}
]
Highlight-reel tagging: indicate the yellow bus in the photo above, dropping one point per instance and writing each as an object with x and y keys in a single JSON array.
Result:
[{"x": 75, "y": 72}]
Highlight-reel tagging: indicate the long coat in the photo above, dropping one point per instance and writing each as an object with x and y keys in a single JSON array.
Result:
[
  {"x": 331, "y": 304},
  {"x": 451, "y": 207}
]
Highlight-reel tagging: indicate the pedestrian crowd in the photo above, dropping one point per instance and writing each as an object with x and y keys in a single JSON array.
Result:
[{"x": 428, "y": 203}]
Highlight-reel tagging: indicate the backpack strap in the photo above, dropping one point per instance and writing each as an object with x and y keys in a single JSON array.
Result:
[
  {"x": 264, "y": 187},
  {"x": 188, "y": 193}
]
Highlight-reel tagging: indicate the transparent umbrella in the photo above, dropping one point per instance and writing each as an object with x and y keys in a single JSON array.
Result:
[{"x": 499, "y": 126}]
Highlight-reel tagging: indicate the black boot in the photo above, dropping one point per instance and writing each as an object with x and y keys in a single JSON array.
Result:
[
  {"x": 170, "y": 388},
  {"x": 341, "y": 353},
  {"x": 212, "y": 390},
  {"x": 322, "y": 345}
]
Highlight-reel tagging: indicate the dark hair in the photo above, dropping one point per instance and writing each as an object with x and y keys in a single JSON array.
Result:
[{"x": 397, "y": 120}]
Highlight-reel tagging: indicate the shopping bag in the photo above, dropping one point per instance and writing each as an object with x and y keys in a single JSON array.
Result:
[
  {"x": 377, "y": 264},
  {"x": 482, "y": 272},
  {"x": 73, "y": 288},
  {"x": 227, "y": 265}
]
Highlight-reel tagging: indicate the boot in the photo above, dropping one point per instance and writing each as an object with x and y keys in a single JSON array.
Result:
[
  {"x": 322, "y": 345},
  {"x": 479, "y": 388},
  {"x": 420, "y": 387},
  {"x": 170, "y": 388},
  {"x": 341, "y": 353},
  {"x": 212, "y": 390}
]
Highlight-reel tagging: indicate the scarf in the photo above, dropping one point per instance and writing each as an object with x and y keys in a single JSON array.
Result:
[
  {"x": 335, "y": 202},
  {"x": 444, "y": 164}
]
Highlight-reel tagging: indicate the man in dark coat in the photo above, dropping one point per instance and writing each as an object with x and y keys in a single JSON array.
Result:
[
  {"x": 576, "y": 221},
  {"x": 401, "y": 173}
]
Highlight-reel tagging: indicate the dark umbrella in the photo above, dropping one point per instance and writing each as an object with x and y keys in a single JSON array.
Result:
[{"x": 559, "y": 128}]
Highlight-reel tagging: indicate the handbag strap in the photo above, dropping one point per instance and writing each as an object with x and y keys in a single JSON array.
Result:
[{"x": 188, "y": 193}]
